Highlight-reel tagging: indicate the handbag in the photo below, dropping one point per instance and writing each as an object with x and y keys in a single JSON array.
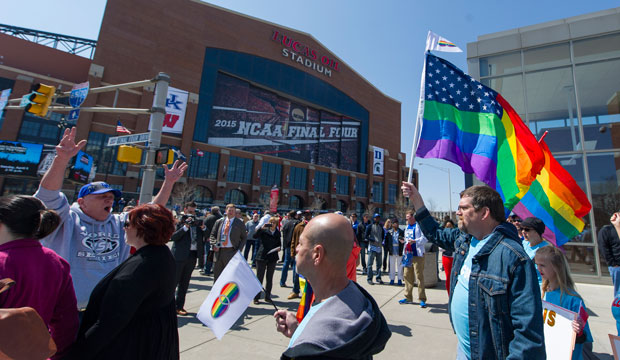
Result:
[{"x": 23, "y": 334}]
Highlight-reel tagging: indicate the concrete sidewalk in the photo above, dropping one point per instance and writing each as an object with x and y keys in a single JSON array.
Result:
[{"x": 425, "y": 333}]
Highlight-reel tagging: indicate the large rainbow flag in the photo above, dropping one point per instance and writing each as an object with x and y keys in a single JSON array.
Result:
[
  {"x": 557, "y": 200},
  {"x": 471, "y": 125}
]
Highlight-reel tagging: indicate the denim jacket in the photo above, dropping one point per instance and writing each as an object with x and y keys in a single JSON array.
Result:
[{"x": 505, "y": 308}]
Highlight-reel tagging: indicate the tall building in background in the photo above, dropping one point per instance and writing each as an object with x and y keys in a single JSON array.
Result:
[
  {"x": 263, "y": 105},
  {"x": 563, "y": 77}
]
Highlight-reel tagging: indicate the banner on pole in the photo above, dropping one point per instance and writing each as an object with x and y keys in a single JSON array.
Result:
[
  {"x": 559, "y": 334},
  {"x": 176, "y": 103}
]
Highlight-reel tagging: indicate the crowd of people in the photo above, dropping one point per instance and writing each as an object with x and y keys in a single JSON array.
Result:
[{"x": 106, "y": 284}]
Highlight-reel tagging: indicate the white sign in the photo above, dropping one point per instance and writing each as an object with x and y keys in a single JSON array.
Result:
[
  {"x": 229, "y": 297},
  {"x": 176, "y": 103},
  {"x": 4, "y": 98},
  {"x": 559, "y": 334},
  {"x": 377, "y": 162},
  {"x": 128, "y": 139}
]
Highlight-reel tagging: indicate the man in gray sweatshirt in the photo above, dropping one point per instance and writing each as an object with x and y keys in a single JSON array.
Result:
[
  {"x": 90, "y": 238},
  {"x": 357, "y": 329}
]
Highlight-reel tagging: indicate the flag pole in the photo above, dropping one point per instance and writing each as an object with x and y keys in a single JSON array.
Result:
[{"x": 418, "y": 125}]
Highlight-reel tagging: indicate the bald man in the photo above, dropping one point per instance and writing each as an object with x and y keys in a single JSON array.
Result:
[{"x": 357, "y": 329}]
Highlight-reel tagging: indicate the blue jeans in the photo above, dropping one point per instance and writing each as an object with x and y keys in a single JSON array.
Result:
[
  {"x": 614, "y": 271},
  {"x": 288, "y": 261},
  {"x": 376, "y": 257}
]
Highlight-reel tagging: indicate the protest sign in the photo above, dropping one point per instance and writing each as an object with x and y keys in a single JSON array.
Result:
[{"x": 559, "y": 334}]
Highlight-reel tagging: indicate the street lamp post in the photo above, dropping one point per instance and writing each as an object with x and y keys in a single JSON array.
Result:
[{"x": 449, "y": 183}]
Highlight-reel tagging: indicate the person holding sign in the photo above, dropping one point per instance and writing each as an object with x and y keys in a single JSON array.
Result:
[{"x": 559, "y": 289}]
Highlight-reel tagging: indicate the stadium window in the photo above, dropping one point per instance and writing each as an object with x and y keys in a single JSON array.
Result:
[
  {"x": 298, "y": 178},
  {"x": 360, "y": 188},
  {"x": 321, "y": 181},
  {"x": 239, "y": 170},
  {"x": 342, "y": 185},
  {"x": 270, "y": 174}
]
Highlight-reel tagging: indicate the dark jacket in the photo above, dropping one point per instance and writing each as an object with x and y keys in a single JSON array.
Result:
[
  {"x": 505, "y": 311},
  {"x": 370, "y": 237},
  {"x": 267, "y": 242},
  {"x": 361, "y": 234},
  {"x": 609, "y": 243},
  {"x": 287, "y": 232},
  {"x": 357, "y": 329},
  {"x": 389, "y": 244},
  {"x": 182, "y": 242},
  {"x": 131, "y": 312},
  {"x": 209, "y": 223}
]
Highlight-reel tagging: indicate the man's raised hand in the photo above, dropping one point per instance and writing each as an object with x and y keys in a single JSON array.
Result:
[
  {"x": 67, "y": 148},
  {"x": 174, "y": 173}
]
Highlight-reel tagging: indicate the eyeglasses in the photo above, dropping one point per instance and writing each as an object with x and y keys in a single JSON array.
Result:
[{"x": 126, "y": 224}]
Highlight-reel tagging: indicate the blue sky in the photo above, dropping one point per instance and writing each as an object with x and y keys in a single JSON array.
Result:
[{"x": 382, "y": 40}]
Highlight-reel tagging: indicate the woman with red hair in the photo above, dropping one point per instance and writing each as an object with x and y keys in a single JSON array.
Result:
[{"x": 131, "y": 313}]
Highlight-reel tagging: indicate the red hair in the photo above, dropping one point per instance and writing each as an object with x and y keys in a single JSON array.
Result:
[{"x": 153, "y": 223}]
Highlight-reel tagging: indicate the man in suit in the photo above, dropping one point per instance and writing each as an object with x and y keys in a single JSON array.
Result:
[
  {"x": 227, "y": 237},
  {"x": 209, "y": 223},
  {"x": 188, "y": 236}
]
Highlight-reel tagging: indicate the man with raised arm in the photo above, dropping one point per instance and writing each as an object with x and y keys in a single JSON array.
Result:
[
  {"x": 344, "y": 321},
  {"x": 90, "y": 238},
  {"x": 494, "y": 305}
]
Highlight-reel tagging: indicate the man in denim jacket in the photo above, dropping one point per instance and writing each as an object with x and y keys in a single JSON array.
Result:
[{"x": 495, "y": 305}]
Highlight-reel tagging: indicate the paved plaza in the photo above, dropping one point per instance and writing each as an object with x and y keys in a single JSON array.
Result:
[{"x": 423, "y": 333}]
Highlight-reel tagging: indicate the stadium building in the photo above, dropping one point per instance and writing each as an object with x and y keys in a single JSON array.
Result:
[{"x": 252, "y": 104}]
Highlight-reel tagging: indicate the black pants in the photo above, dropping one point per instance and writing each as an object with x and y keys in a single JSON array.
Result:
[
  {"x": 184, "y": 275},
  {"x": 261, "y": 266},
  {"x": 201, "y": 255}
]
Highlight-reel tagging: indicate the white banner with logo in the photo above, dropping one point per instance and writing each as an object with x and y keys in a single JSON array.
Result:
[
  {"x": 176, "y": 103},
  {"x": 559, "y": 334},
  {"x": 377, "y": 161}
]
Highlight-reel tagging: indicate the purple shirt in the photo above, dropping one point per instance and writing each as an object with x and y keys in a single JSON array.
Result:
[{"x": 43, "y": 282}]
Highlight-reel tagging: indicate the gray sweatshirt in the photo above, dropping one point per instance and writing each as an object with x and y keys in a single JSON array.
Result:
[{"x": 92, "y": 248}]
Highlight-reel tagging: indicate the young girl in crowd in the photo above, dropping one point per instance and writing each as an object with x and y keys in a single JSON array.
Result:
[{"x": 558, "y": 288}]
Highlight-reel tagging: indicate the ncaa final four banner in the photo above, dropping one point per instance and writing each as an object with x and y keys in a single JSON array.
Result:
[{"x": 253, "y": 119}]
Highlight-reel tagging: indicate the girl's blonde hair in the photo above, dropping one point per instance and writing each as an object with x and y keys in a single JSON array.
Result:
[
  {"x": 559, "y": 263},
  {"x": 387, "y": 224}
]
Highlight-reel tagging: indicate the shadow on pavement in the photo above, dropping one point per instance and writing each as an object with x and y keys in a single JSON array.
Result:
[
  {"x": 401, "y": 329},
  {"x": 438, "y": 308}
]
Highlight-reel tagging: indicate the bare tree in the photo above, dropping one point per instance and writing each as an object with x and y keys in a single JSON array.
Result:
[
  {"x": 430, "y": 204},
  {"x": 183, "y": 193},
  {"x": 317, "y": 204},
  {"x": 264, "y": 201}
]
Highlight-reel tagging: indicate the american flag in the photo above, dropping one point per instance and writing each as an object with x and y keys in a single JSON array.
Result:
[
  {"x": 121, "y": 129},
  {"x": 449, "y": 85}
]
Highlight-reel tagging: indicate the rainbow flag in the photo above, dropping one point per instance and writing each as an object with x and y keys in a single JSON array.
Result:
[
  {"x": 473, "y": 126},
  {"x": 557, "y": 200},
  {"x": 307, "y": 298}
]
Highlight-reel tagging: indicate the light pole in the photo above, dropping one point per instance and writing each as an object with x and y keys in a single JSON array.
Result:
[{"x": 449, "y": 183}]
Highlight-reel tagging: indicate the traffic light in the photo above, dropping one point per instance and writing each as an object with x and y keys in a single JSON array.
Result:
[
  {"x": 164, "y": 156},
  {"x": 41, "y": 99},
  {"x": 130, "y": 154}
]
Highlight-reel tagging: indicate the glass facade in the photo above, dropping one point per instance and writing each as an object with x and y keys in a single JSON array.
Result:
[
  {"x": 361, "y": 187},
  {"x": 298, "y": 178},
  {"x": 342, "y": 185},
  {"x": 271, "y": 174},
  {"x": 239, "y": 170},
  {"x": 104, "y": 156},
  {"x": 571, "y": 90},
  {"x": 205, "y": 166},
  {"x": 377, "y": 192},
  {"x": 392, "y": 192},
  {"x": 321, "y": 181}
]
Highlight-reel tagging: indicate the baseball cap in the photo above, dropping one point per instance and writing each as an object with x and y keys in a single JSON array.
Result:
[
  {"x": 533, "y": 223},
  {"x": 97, "y": 187},
  {"x": 298, "y": 212},
  {"x": 376, "y": 216},
  {"x": 338, "y": 212}
]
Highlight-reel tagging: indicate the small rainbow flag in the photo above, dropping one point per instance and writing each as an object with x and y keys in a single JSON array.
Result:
[
  {"x": 446, "y": 43},
  {"x": 229, "y": 293},
  {"x": 307, "y": 298}
]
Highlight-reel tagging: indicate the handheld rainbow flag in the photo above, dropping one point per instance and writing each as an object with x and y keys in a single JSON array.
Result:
[
  {"x": 557, "y": 200},
  {"x": 307, "y": 298},
  {"x": 435, "y": 42},
  {"x": 473, "y": 126},
  {"x": 229, "y": 297}
]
